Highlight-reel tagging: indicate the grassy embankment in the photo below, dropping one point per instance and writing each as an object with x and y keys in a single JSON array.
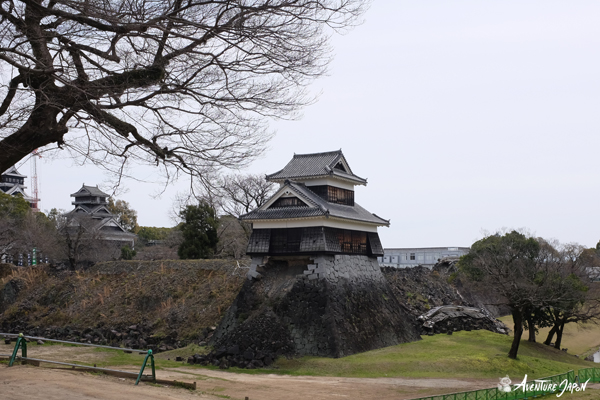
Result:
[{"x": 476, "y": 354}]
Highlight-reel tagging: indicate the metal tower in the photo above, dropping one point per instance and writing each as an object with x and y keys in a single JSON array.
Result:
[{"x": 34, "y": 180}]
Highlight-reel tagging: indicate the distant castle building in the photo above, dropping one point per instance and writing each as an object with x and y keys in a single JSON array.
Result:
[
  {"x": 13, "y": 183},
  {"x": 91, "y": 202}
]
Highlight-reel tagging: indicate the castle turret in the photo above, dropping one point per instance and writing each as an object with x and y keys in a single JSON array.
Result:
[
  {"x": 315, "y": 286},
  {"x": 314, "y": 211},
  {"x": 91, "y": 203},
  {"x": 13, "y": 183}
]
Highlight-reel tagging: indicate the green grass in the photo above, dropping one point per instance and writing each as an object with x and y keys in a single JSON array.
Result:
[
  {"x": 184, "y": 352},
  {"x": 476, "y": 354},
  {"x": 161, "y": 360}
]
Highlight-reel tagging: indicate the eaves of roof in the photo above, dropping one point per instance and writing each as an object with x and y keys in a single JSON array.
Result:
[
  {"x": 12, "y": 171},
  {"x": 315, "y": 165},
  {"x": 91, "y": 190},
  {"x": 320, "y": 208}
]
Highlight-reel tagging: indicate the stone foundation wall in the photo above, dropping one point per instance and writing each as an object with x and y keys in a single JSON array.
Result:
[{"x": 326, "y": 305}]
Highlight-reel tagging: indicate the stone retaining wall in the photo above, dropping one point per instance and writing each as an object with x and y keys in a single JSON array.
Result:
[{"x": 328, "y": 306}]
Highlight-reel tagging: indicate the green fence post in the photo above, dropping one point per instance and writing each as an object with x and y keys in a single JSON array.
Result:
[
  {"x": 151, "y": 356},
  {"x": 23, "y": 345},
  {"x": 152, "y": 362}
]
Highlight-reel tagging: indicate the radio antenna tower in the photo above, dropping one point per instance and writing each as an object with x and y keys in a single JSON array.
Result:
[{"x": 34, "y": 180}]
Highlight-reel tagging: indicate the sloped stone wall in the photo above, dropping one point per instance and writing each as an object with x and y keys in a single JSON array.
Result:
[{"x": 328, "y": 306}]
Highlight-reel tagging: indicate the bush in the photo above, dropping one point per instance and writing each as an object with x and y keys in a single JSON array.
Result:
[{"x": 127, "y": 253}]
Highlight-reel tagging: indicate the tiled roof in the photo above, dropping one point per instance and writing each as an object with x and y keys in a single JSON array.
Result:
[
  {"x": 284, "y": 212},
  {"x": 99, "y": 221},
  {"x": 13, "y": 171},
  {"x": 320, "y": 207},
  {"x": 315, "y": 165},
  {"x": 92, "y": 190}
]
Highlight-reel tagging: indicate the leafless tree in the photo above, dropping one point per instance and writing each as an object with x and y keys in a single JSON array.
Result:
[
  {"x": 81, "y": 243},
  {"x": 232, "y": 196},
  {"x": 239, "y": 194},
  {"x": 8, "y": 237},
  {"x": 37, "y": 231},
  {"x": 233, "y": 238},
  {"x": 187, "y": 85}
]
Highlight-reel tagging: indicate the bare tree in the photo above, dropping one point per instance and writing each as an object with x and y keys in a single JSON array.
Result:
[
  {"x": 233, "y": 238},
  {"x": 39, "y": 232},
  {"x": 8, "y": 237},
  {"x": 81, "y": 243},
  {"x": 188, "y": 85},
  {"x": 232, "y": 196},
  {"x": 239, "y": 194}
]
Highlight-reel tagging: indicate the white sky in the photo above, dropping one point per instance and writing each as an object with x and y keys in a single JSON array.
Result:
[{"x": 465, "y": 116}]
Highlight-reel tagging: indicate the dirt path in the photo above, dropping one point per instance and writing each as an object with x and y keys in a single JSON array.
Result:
[
  {"x": 28, "y": 382},
  {"x": 275, "y": 387},
  {"x": 25, "y": 382}
]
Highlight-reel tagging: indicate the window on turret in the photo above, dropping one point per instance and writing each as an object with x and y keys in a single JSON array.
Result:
[
  {"x": 354, "y": 242},
  {"x": 285, "y": 240},
  {"x": 334, "y": 194},
  {"x": 288, "y": 202},
  {"x": 340, "y": 166}
]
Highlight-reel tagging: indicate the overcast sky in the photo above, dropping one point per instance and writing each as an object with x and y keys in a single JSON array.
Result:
[{"x": 465, "y": 116}]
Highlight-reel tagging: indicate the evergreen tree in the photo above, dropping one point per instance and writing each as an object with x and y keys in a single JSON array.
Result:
[
  {"x": 126, "y": 215},
  {"x": 199, "y": 229}
]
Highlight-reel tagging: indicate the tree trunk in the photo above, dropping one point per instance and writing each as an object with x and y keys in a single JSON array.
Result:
[
  {"x": 531, "y": 327},
  {"x": 551, "y": 334},
  {"x": 559, "y": 334},
  {"x": 518, "y": 332},
  {"x": 40, "y": 130}
]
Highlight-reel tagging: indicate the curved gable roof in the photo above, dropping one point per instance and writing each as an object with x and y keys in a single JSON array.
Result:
[
  {"x": 89, "y": 191},
  {"x": 12, "y": 171},
  {"x": 317, "y": 207},
  {"x": 317, "y": 165}
]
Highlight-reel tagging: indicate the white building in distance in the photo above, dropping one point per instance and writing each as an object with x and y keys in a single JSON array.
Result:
[{"x": 414, "y": 256}]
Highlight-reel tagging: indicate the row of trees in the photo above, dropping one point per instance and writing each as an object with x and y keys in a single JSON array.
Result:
[
  {"x": 543, "y": 283},
  {"x": 200, "y": 233}
]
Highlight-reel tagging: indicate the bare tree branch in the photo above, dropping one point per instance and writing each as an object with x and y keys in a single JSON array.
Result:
[{"x": 190, "y": 85}]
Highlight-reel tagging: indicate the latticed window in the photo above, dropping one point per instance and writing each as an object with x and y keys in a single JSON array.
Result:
[
  {"x": 288, "y": 202},
  {"x": 354, "y": 242},
  {"x": 334, "y": 194},
  {"x": 285, "y": 240}
]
